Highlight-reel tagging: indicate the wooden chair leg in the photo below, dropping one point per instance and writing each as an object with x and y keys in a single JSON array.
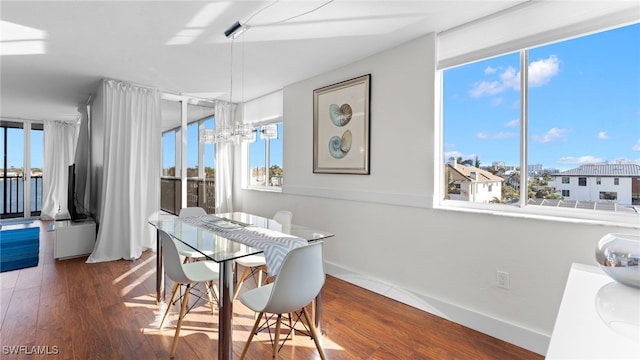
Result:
[
  {"x": 314, "y": 333},
  {"x": 216, "y": 294},
  {"x": 239, "y": 285},
  {"x": 260, "y": 271},
  {"x": 174, "y": 292},
  {"x": 293, "y": 331},
  {"x": 313, "y": 311},
  {"x": 276, "y": 337},
  {"x": 208, "y": 286},
  {"x": 253, "y": 331},
  {"x": 183, "y": 312}
]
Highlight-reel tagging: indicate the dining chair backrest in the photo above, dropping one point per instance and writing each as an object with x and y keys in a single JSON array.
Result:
[
  {"x": 172, "y": 263},
  {"x": 192, "y": 212},
  {"x": 284, "y": 217},
  {"x": 299, "y": 281}
]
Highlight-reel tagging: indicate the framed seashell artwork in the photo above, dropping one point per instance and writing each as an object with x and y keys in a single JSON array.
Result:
[{"x": 341, "y": 127}]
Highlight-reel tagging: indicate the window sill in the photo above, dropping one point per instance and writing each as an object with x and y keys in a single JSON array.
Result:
[
  {"x": 275, "y": 189},
  {"x": 576, "y": 216}
]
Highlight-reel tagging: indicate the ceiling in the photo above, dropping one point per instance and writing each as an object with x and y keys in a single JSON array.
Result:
[{"x": 54, "y": 53}]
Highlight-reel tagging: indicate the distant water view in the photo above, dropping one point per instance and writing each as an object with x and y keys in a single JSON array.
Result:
[{"x": 15, "y": 200}]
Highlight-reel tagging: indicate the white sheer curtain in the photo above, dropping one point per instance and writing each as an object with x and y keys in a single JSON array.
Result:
[
  {"x": 59, "y": 146},
  {"x": 224, "y": 159},
  {"x": 81, "y": 158},
  {"x": 130, "y": 191}
]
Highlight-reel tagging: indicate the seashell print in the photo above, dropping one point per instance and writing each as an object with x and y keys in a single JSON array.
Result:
[
  {"x": 345, "y": 142},
  {"x": 339, "y": 147},
  {"x": 340, "y": 115}
]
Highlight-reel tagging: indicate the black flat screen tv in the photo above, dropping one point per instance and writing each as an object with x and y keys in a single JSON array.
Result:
[{"x": 71, "y": 195}]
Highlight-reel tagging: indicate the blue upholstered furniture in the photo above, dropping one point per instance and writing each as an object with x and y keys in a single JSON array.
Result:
[{"x": 19, "y": 246}]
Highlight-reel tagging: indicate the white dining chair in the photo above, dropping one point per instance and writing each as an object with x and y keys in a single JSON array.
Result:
[
  {"x": 299, "y": 281},
  {"x": 256, "y": 264},
  {"x": 189, "y": 275},
  {"x": 185, "y": 251}
]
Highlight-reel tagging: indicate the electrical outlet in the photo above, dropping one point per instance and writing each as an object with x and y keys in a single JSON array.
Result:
[{"x": 503, "y": 279}]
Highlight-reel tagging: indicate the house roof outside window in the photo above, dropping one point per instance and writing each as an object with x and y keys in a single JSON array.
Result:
[
  {"x": 617, "y": 170},
  {"x": 470, "y": 173}
]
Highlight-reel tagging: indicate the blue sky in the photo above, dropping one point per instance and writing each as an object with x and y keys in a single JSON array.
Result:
[
  {"x": 15, "y": 148},
  {"x": 584, "y": 104},
  {"x": 257, "y": 151}
]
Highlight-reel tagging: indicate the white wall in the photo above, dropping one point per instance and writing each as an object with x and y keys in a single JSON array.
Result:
[{"x": 388, "y": 238}]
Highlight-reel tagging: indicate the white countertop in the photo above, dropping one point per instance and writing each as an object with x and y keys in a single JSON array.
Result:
[{"x": 598, "y": 318}]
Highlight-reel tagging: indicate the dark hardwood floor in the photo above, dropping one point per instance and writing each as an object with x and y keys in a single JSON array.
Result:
[{"x": 72, "y": 310}]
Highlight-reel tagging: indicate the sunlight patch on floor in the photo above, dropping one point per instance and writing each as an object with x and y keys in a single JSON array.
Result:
[
  {"x": 127, "y": 289},
  {"x": 133, "y": 269}
]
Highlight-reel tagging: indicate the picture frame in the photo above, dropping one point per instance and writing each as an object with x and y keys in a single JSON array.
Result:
[{"x": 341, "y": 121}]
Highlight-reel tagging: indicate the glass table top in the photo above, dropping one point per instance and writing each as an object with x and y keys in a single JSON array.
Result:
[{"x": 215, "y": 246}]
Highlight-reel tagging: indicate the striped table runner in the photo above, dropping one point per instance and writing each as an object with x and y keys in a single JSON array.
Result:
[{"x": 275, "y": 245}]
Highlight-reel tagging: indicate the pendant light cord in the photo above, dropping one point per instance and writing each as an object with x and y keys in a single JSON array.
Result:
[{"x": 283, "y": 20}]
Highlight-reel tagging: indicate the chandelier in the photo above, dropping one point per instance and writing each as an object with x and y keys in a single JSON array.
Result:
[{"x": 239, "y": 133}]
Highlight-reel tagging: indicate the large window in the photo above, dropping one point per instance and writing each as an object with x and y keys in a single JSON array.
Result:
[
  {"x": 187, "y": 161},
  {"x": 169, "y": 153},
  {"x": 574, "y": 104},
  {"x": 265, "y": 157}
]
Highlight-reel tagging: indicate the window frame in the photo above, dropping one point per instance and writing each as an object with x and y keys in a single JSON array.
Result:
[
  {"x": 522, "y": 209},
  {"x": 246, "y": 178}
]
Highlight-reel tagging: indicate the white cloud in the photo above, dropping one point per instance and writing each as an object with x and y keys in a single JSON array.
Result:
[
  {"x": 622, "y": 160},
  {"x": 587, "y": 159},
  {"x": 513, "y": 123},
  {"x": 511, "y": 78},
  {"x": 486, "y": 87},
  {"x": 541, "y": 71},
  {"x": 602, "y": 135},
  {"x": 500, "y": 135},
  {"x": 496, "y": 101},
  {"x": 636, "y": 147},
  {"x": 551, "y": 135},
  {"x": 456, "y": 154},
  {"x": 451, "y": 154}
]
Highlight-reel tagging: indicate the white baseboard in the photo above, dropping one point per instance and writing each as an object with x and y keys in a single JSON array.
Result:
[{"x": 500, "y": 329}]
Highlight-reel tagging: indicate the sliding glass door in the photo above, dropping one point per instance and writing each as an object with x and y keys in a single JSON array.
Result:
[{"x": 21, "y": 169}]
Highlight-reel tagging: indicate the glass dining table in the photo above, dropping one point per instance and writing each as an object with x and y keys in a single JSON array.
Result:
[{"x": 218, "y": 246}]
